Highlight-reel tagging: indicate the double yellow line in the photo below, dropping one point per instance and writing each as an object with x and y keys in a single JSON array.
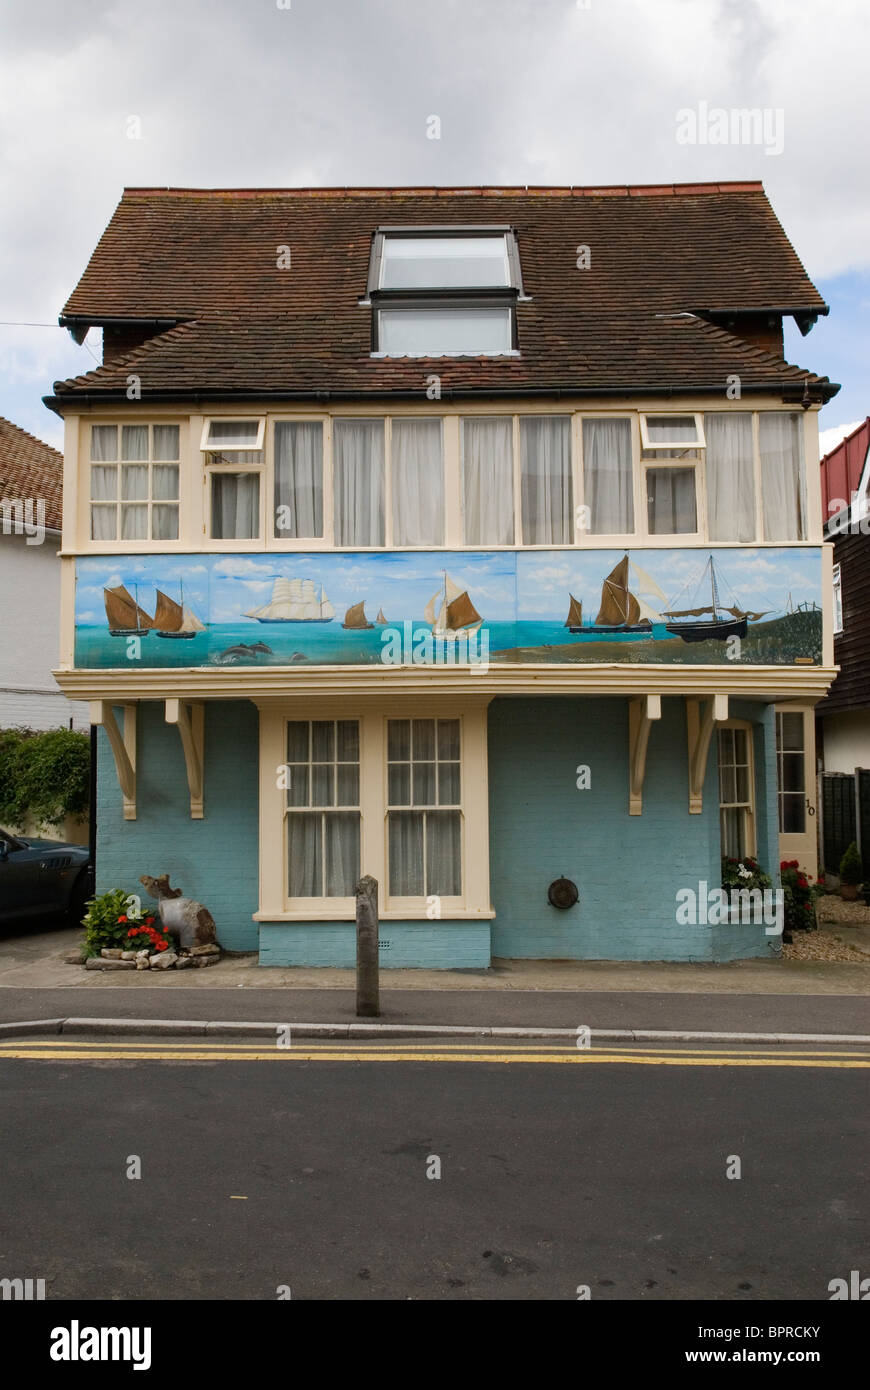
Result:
[{"x": 164, "y": 1050}]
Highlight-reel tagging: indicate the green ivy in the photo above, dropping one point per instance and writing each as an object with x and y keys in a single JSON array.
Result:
[{"x": 44, "y": 777}]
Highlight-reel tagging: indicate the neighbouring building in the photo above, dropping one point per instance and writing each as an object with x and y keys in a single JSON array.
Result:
[
  {"x": 31, "y": 494},
  {"x": 468, "y": 538},
  {"x": 843, "y": 717}
]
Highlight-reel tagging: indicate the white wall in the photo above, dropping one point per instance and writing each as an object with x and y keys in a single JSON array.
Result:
[
  {"x": 847, "y": 741},
  {"x": 29, "y": 637}
]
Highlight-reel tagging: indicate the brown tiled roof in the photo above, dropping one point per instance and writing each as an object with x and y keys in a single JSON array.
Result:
[
  {"x": 589, "y": 354},
  {"x": 31, "y": 469},
  {"x": 185, "y": 254}
]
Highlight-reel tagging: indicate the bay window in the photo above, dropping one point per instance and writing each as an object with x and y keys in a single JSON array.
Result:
[
  {"x": 608, "y": 477},
  {"x": 487, "y": 466},
  {"x": 298, "y": 479},
  {"x": 134, "y": 482},
  {"x": 425, "y": 808},
  {"x": 417, "y": 479},
  {"x": 234, "y": 467},
  {"x": 322, "y": 812},
  {"x": 546, "y": 487},
  {"x": 358, "y": 464},
  {"x": 730, "y": 477},
  {"x": 783, "y": 488}
]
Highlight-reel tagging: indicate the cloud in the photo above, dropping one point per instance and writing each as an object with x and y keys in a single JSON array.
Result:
[{"x": 830, "y": 438}]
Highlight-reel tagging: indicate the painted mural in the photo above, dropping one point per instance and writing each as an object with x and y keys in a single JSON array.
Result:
[{"x": 741, "y": 606}]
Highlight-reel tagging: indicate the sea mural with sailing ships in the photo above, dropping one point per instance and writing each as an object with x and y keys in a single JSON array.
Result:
[{"x": 683, "y": 606}]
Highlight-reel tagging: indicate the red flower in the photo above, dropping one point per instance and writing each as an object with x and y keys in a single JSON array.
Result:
[{"x": 122, "y": 919}]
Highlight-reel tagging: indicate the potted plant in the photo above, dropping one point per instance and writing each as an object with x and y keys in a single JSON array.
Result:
[
  {"x": 851, "y": 873},
  {"x": 799, "y": 897}
]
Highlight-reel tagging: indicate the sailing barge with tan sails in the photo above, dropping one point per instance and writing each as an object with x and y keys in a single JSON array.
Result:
[
  {"x": 450, "y": 613},
  {"x": 355, "y": 618},
  {"x": 175, "y": 620},
  {"x": 622, "y": 610},
  {"x": 123, "y": 614}
]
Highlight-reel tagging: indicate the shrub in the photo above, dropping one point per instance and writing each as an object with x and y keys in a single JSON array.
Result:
[
  {"x": 112, "y": 923},
  {"x": 851, "y": 869},
  {"x": 44, "y": 777},
  {"x": 798, "y": 897}
]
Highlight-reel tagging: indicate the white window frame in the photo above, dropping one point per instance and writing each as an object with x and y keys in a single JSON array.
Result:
[
  {"x": 837, "y": 600},
  {"x": 699, "y": 442},
  {"x": 300, "y": 904},
  {"x": 208, "y": 448},
  {"x": 148, "y": 502},
  {"x": 372, "y": 715},
  {"x": 274, "y": 541},
  {"x": 747, "y": 807},
  {"x": 232, "y": 543},
  {"x": 694, "y": 461},
  {"x": 399, "y": 903},
  {"x": 782, "y": 792}
]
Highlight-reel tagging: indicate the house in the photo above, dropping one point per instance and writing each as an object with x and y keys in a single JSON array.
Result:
[
  {"x": 31, "y": 493},
  {"x": 467, "y": 538},
  {"x": 843, "y": 717}
]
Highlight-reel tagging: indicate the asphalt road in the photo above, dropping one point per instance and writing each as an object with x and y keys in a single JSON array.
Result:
[{"x": 308, "y": 1170}]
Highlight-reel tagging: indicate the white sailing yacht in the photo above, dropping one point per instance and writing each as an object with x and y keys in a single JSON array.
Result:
[{"x": 294, "y": 601}]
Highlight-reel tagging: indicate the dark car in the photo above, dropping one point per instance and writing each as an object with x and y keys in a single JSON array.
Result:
[{"x": 42, "y": 879}]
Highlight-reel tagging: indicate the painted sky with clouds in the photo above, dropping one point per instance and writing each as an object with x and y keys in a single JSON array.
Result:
[{"x": 337, "y": 92}]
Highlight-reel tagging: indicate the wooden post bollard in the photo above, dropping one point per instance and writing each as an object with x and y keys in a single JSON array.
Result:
[{"x": 367, "y": 985}]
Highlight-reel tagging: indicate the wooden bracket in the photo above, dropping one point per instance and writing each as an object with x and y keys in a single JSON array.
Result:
[
  {"x": 189, "y": 719},
  {"x": 700, "y": 724},
  {"x": 123, "y": 746},
  {"x": 641, "y": 713}
]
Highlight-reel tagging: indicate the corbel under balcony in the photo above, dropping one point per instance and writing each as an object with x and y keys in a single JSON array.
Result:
[
  {"x": 701, "y": 719},
  {"x": 188, "y": 717},
  {"x": 123, "y": 746},
  {"x": 641, "y": 713}
]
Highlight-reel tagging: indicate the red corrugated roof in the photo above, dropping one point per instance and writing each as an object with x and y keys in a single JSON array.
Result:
[{"x": 843, "y": 467}]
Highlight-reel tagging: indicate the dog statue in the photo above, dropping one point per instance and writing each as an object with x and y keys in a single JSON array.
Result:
[{"x": 187, "y": 922}]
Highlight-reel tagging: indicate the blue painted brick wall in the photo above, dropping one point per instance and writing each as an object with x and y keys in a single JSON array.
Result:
[
  {"x": 419, "y": 945},
  {"x": 628, "y": 868},
  {"x": 214, "y": 859}
]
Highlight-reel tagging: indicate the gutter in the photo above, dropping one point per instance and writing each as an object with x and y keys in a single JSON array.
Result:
[{"x": 796, "y": 392}]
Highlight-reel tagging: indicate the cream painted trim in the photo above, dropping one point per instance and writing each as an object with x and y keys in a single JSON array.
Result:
[
  {"x": 701, "y": 718},
  {"x": 78, "y": 487},
  {"x": 812, "y": 475},
  {"x": 384, "y": 915},
  {"x": 641, "y": 714},
  {"x": 275, "y": 905},
  {"x": 285, "y": 684},
  {"x": 67, "y": 632},
  {"x": 189, "y": 721},
  {"x": 828, "y": 605},
  {"x": 123, "y": 746},
  {"x": 71, "y": 454}
]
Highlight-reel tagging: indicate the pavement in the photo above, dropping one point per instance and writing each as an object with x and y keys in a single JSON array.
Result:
[{"x": 756, "y": 996}]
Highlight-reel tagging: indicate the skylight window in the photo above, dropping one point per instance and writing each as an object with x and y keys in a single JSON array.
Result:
[
  {"x": 433, "y": 263},
  {"x": 444, "y": 292}
]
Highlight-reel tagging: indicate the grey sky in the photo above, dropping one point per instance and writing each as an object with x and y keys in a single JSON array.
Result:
[{"x": 234, "y": 93}]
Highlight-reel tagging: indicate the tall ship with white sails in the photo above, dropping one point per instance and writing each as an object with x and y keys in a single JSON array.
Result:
[{"x": 294, "y": 601}]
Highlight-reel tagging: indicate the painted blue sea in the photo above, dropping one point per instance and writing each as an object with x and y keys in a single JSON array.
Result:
[{"x": 327, "y": 644}]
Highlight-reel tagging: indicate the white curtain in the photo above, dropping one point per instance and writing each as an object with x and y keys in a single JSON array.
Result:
[
  {"x": 134, "y": 442},
  {"x": 607, "y": 477},
  {"x": 671, "y": 501},
  {"x": 545, "y": 480},
  {"x": 730, "y": 477},
  {"x": 104, "y": 482},
  {"x": 104, "y": 443},
  {"x": 488, "y": 481},
  {"x": 417, "y": 475},
  {"x": 235, "y": 506},
  {"x": 299, "y": 478},
  {"x": 783, "y": 497},
  {"x": 338, "y": 832},
  {"x": 358, "y": 482}
]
